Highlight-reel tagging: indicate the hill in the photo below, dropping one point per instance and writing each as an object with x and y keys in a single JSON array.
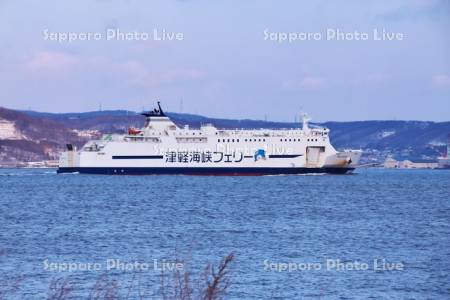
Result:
[
  {"x": 35, "y": 135},
  {"x": 24, "y": 137}
]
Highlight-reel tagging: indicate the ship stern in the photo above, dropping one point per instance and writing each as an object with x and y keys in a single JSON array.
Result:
[{"x": 69, "y": 160}]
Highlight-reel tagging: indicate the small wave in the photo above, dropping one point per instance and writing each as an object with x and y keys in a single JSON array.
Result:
[
  {"x": 305, "y": 174},
  {"x": 313, "y": 174},
  {"x": 28, "y": 173},
  {"x": 19, "y": 175},
  {"x": 277, "y": 175}
]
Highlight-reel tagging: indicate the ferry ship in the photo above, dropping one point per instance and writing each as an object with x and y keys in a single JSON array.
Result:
[{"x": 162, "y": 147}]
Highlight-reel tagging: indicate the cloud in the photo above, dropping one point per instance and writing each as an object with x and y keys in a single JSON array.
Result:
[
  {"x": 425, "y": 4},
  {"x": 441, "y": 81},
  {"x": 418, "y": 9},
  {"x": 50, "y": 62},
  {"x": 133, "y": 72},
  {"x": 134, "y": 68},
  {"x": 182, "y": 75},
  {"x": 142, "y": 76},
  {"x": 375, "y": 79},
  {"x": 307, "y": 82},
  {"x": 318, "y": 83}
]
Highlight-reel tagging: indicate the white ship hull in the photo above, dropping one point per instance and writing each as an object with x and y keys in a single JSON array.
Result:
[{"x": 163, "y": 148}]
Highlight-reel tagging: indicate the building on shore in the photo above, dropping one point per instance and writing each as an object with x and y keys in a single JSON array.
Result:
[
  {"x": 391, "y": 163},
  {"x": 30, "y": 164},
  {"x": 42, "y": 164},
  {"x": 444, "y": 161}
]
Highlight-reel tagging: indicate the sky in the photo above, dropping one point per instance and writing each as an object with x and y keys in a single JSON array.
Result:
[{"x": 230, "y": 59}]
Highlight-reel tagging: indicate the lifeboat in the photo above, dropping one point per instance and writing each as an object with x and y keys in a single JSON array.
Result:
[{"x": 133, "y": 131}]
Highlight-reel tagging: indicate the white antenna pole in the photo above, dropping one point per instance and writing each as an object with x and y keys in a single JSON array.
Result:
[{"x": 306, "y": 120}]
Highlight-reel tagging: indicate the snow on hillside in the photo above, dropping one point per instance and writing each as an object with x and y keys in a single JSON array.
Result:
[
  {"x": 8, "y": 131},
  {"x": 385, "y": 134}
]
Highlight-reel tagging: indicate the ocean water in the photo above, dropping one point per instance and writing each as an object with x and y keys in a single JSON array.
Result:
[{"x": 294, "y": 237}]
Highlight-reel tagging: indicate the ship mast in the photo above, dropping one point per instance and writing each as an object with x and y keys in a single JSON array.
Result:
[{"x": 305, "y": 119}]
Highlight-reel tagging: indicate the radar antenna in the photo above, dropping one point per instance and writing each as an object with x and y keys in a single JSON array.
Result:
[{"x": 157, "y": 112}]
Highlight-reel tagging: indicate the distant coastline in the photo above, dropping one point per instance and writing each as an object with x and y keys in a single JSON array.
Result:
[{"x": 29, "y": 138}]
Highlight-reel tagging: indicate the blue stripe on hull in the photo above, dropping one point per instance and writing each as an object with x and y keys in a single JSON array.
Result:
[{"x": 202, "y": 171}]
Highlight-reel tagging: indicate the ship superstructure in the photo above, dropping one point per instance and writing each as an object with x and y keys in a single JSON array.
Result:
[{"x": 162, "y": 147}]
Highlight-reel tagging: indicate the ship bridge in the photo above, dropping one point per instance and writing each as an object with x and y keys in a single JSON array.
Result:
[{"x": 157, "y": 120}]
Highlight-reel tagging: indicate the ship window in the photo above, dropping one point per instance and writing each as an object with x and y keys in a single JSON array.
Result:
[
  {"x": 223, "y": 140},
  {"x": 254, "y": 140},
  {"x": 218, "y": 140},
  {"x": 245, "y": 140},
  {"x": 264, "y": 140},
  {"x": 237, "y": 140},
  {"x": 294, "y": 140},
  {"x": 285, "y": 140},
  {"x": 228, "y": 140},
  {"x": 289, "y": 140},
  {"x": 281, "y": 140},
  {"x": 193, "y": 133}
]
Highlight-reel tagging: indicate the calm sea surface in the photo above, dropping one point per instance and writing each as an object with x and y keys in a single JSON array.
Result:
[{"x": 328, "y": 229}]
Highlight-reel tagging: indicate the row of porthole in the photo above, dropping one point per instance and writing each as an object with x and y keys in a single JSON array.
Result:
[
  {"x": 297, "y": 140},
  {"x": 262, "y": 140},
  {"x": 237, "y": 140},
  {"x": 187, "y": 134},
  {"x": 259, "y": 140}
]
